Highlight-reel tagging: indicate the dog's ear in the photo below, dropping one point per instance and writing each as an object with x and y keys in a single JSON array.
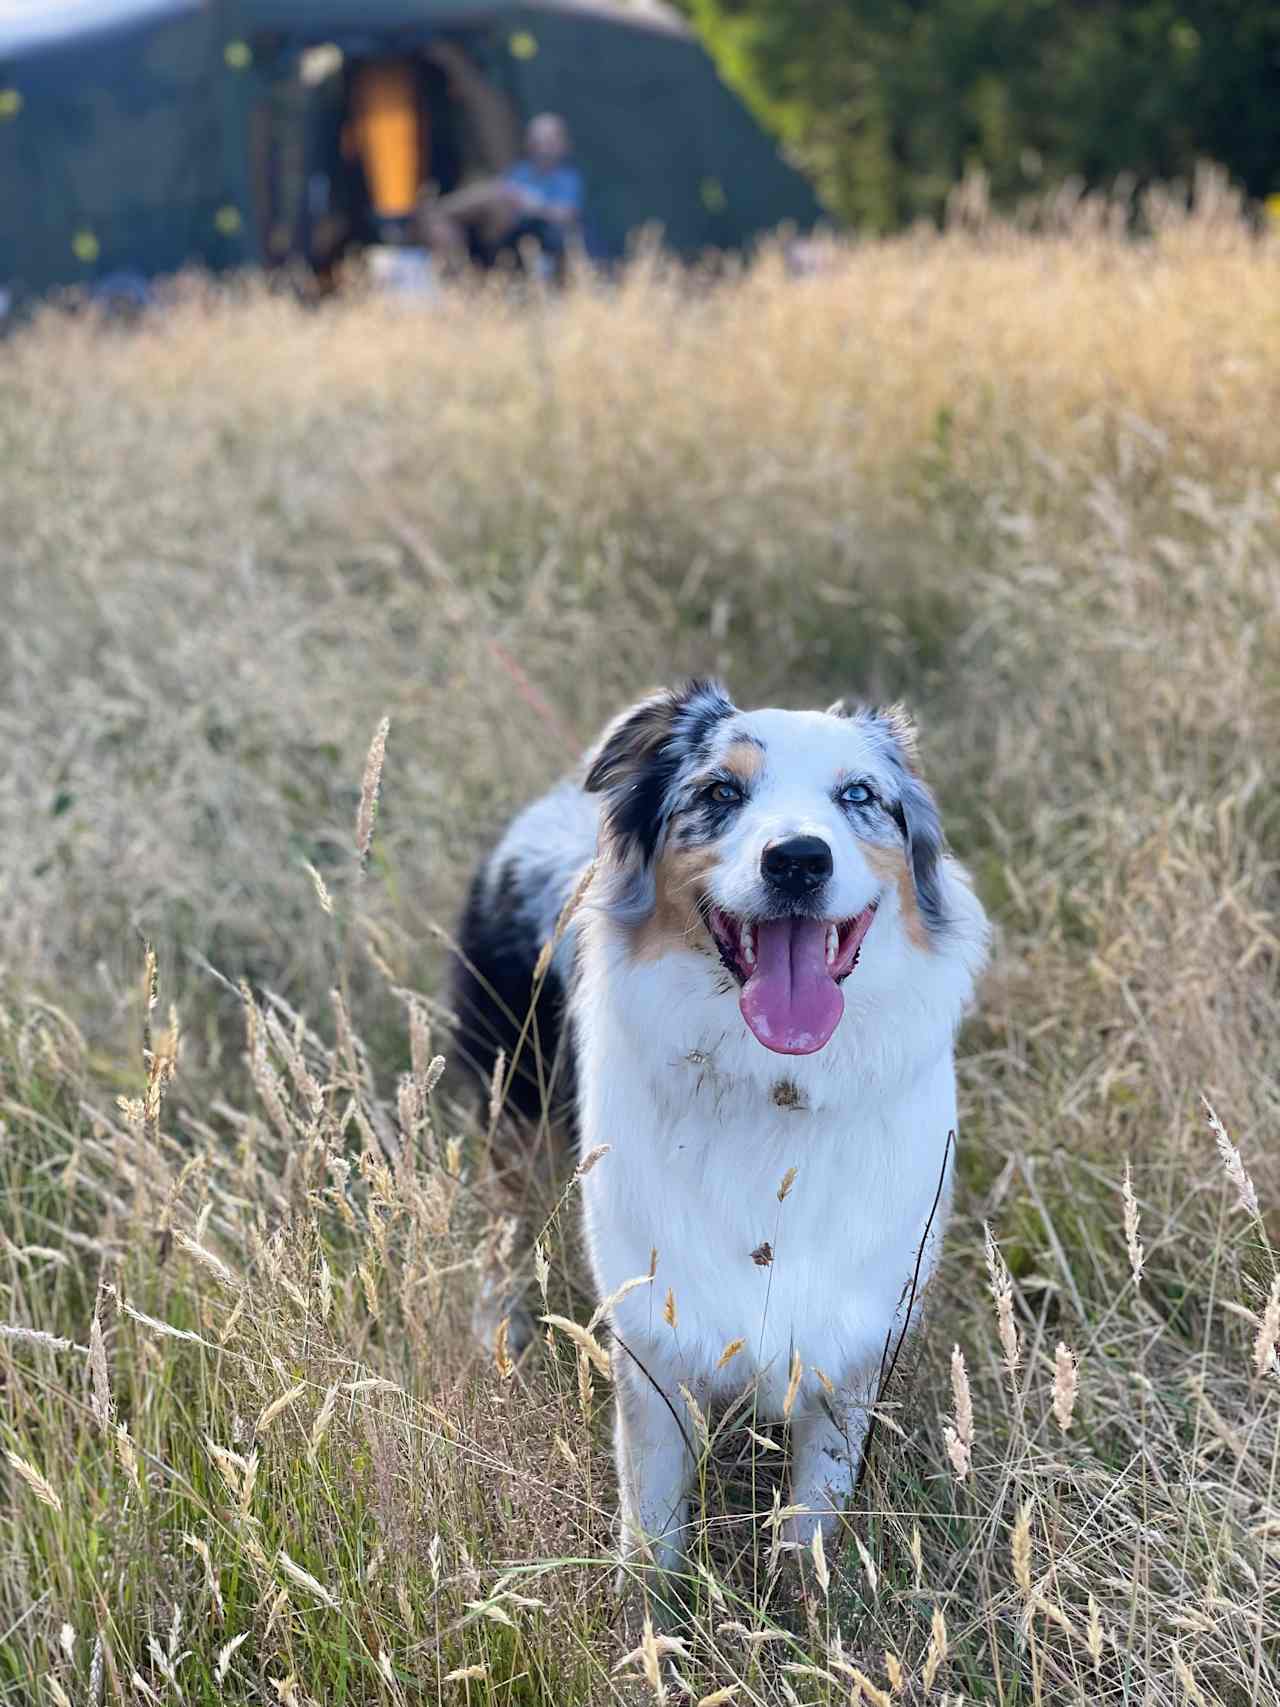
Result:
[
  {"x": 916, "y": 812},
  {"x": 894, "y": 721},
  {"x": 915, "y": 809},
  {"x": 638, "y": 756}
]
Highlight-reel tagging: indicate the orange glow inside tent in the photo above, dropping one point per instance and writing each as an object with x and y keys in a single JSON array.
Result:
[{"x": 385, "y": 131}]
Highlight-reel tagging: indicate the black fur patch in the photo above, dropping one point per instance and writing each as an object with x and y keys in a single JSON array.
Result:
[
  {"x": 643, "y": 753},
  {"x": 492, "y": 977}
]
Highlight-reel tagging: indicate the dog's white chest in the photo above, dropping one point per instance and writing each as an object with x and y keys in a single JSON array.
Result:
[{"x": 791, "y": 1230}]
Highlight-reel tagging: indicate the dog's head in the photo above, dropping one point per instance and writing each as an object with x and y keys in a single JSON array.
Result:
[{"x": 774, "y": 842}]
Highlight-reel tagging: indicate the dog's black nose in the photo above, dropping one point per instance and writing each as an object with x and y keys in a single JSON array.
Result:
[{"x": 797, "y": 866}]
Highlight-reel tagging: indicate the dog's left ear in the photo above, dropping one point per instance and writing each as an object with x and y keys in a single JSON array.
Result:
[
  {"x": 893, "y": 721},
  {"x": 915, "y": 809},
  {"x": 639, "y": 755}
]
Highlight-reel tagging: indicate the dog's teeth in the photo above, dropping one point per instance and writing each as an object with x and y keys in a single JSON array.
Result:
[
  {"x": 748, "y": 945},
  {"x": 833, "y": 943}
]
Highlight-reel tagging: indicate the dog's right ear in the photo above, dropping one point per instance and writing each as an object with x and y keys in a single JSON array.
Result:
[{"x": 638, "y": 757}]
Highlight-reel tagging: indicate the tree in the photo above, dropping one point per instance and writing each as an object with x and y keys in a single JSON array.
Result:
[{"x": 887, "y": 102}]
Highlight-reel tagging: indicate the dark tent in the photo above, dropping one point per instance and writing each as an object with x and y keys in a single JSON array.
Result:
[{"x": 139, "y": 136}]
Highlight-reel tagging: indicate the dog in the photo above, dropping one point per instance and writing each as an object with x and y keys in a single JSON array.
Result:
[{"x": 763, "y": 983}]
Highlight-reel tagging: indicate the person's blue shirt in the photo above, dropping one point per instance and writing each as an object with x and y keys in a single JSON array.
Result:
[{"x": 560, "y": 186}]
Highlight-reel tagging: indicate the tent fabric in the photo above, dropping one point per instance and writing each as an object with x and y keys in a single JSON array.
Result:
[
  {"x": 107, "y": 163},
  {"x": 140, "y": 136},
  {"x": 31, "y": 22}
]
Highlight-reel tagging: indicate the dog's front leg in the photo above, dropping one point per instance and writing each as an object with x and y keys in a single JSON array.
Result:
[
  {"x": 654, "y": 1470},
  {"x": 826, "y": 1452}
]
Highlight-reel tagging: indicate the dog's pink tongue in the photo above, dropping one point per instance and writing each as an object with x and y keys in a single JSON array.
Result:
[{"x": 791, "y": 1001}]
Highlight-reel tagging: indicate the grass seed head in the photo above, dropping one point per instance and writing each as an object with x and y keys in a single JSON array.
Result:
[
  {"x": 1065, "y": 1385},
  {"x": 959, "y": 1433},
  {"x": 1268, "y": 1335},
  {"x": 1233, "y": 1165},
  {"x": 1137, "y": 1256},
  {"x": 34, "y": 1479},
  {"x": 370, "y": 787}
]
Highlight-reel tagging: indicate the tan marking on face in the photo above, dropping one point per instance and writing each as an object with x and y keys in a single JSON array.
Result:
[
  {"x": 679, "y": 879},
  {"x": 744, "y": 759},
  {"x": 890, "y": 864}
]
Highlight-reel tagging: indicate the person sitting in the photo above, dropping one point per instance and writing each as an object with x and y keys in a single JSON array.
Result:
[{"x": 537, "y": 199}]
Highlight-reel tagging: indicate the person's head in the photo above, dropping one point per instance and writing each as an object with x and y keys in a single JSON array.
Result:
[{"x": 546, "y": 140}]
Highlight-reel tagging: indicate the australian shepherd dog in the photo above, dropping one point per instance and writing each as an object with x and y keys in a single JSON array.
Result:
[{"x": 762, "y": 986}]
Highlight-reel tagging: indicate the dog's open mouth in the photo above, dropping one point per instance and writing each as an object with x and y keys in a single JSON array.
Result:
[{"x": 790, "y": 971}]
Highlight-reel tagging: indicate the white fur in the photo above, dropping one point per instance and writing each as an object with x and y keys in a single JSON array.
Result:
[{"x": 687, "y": 1100}]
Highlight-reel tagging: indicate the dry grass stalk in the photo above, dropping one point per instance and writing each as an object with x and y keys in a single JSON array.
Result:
[
  {"x": 563, "y": 922},
  {"x": 1093, "y": 1636},
  {"x": 278, "y": 1405},
  {"x": 126, "y": 1452},
  {"x": 818, "y": 1550},
  {"x": 589, "y": 1161},
  {"x": 226, "y": 1653},
  {"x": 1233, "y": 1164},
  {"x": 729, "y": 1353},
  {"x": 1268, "y": 1335},
  {"x": 323, "y": 1417},
  {"x": 585, "y": 1341},
  {"x": 959, "y": 1433},
  {"x": 208, "y": 1258},
  {"x": 793, "y": 1383},
  {"x": 1065, "y": 1386},
  {"x": 698, "y": 1416},
  {"x": 936, "y": 1653},
  {"x": 1020, "y": 1549},
  {"x": 200, "y": 1546},
  {"x": 501, "y": 1350},
  {"x": 497, "y": 1089},
  {"x": 868, "y": 1563},
  {"x": 370, "y": 787},
  {"x": 304, "y": 1579},
  {"x": 864, "y": 1690},
  {"x": 605, "y": 1305},
  {"x": 1137, "y": 1256},
  {"x": 99, "y": 1377},
  {"x": 318, "y": 884},
  {"x": 1001, "y": 1285},
  {"x": 34, "y": 1479},
  {"x": 915, "y": 1546},
  {"x": 35, "y": 1336}
]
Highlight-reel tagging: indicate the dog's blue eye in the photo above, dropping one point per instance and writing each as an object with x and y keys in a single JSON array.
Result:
[
  {"x": 725, "y": 794},
  {"x": 856, "y": 794}
]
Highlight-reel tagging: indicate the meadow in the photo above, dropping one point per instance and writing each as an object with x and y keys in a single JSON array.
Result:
[{"x": 1027, "y": 480}]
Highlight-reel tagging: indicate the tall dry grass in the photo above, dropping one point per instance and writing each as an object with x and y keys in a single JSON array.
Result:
[{"x": 1030, "y": 484}]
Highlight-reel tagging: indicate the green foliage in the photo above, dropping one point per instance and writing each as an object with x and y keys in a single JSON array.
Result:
[{"x": 888, "y": 103}]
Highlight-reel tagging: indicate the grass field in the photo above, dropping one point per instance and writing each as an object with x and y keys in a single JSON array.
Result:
[{"x": 248, "y": 1451}]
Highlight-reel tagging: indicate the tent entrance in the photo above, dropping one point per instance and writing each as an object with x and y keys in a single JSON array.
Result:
[{"x": 354, "y": 142}]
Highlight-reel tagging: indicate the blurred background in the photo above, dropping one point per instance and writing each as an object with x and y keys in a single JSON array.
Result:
[{"x": 141, "y": 136}]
